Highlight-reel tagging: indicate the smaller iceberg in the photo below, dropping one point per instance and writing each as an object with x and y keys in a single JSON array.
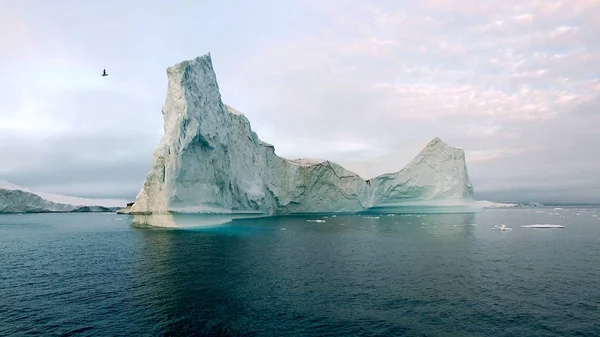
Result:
[
  {"x": 491, "y": 204},
  {"x": 502, "y": 227},
  {"x": 543, "y": 226},
  {"x": 315, "y": 220}
]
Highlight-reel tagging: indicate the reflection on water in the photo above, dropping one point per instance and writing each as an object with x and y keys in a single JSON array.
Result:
[{"x": 221, "y": 279}]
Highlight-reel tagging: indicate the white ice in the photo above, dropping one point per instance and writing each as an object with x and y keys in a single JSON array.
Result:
[
  {"x": 542, "y": 226},
  {"x": 209, "y": 158},
  {"x": 502, "y": 227}
]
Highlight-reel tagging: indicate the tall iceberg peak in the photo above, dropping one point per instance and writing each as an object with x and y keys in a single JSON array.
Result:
[
  {"x": 210, "y": 161},
  {"x": 191, "y": 167},
  {"x": 438, "y": 172}
]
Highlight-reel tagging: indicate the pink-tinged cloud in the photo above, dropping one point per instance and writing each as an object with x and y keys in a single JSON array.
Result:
[
  {"x": 14, "y": 34},
  {"x": 516, "y": 84}
]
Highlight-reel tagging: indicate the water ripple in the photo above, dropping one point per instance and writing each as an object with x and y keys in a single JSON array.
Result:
[{"x": 437, "y": 276}]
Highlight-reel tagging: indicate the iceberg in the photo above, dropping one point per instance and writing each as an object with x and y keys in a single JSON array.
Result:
[
  {"x": 438, "y": 172},
  {"x": 542, "y": 226},
  {"x": 491, "y": 204},
  {"x": 502, "y": 228},
  {"x": 17, "y": 199},
  {"x": 209, "y": 161}
]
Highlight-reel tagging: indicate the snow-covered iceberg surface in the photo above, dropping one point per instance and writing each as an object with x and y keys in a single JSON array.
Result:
[
  {"x": 17, "y": 199},
  {"x": 438, "y": 172},
  {"x": 210, "y": 161}
]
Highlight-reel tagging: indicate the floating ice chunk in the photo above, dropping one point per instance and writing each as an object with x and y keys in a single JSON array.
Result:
[
  {"x": 542, "y": 226},
  {"x": 283, "y": 228},
  {"x": 502, "y": 228},
  {"x": 391, "y": 215},
  {"x": 558, "y": 209},
  {"x": 315, "y": 220},
  {"x": 334, "y": 216},
  {"x": 370, "y": 217}
]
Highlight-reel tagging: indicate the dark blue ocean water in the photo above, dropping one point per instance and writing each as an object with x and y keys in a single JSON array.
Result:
[{"x": 415, "y": 275}]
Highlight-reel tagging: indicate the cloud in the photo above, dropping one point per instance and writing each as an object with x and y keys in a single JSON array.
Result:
[
  {"x": 96, "y": 165},
  {"x": 14, "y": 33},
  {"x": 89, "y": 143},
  {"x": 500, "y": 80},
  {"x": 517, "y": 85},
  {"x": 491, "y": 154}
]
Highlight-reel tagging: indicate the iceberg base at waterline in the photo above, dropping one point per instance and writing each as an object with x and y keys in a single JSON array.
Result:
[
  {"x": 443, "y": 206},
  {"x": 195, "y": 218},
  {"x": 188, "y": 220},
  {"x": 199, "y": 219}
]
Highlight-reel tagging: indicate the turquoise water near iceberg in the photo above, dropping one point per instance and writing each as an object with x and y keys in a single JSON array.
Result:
[{"x": 370, "y": 275}]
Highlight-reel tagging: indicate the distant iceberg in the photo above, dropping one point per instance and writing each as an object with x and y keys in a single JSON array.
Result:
[
  {"x": 210, "y": 161},
  {"x": 17, "y": 199},
  {"x": 491, "y": 204},
  {"x": 542, "y": 226}
]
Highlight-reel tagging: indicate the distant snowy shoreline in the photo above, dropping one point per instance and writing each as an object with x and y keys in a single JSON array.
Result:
[{"x": 18, "y": 199}]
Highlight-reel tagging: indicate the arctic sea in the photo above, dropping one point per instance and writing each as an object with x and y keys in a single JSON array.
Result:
[{"x": 403, "y": 275}]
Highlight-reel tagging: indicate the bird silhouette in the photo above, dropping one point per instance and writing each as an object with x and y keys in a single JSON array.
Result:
[{"x": 104, "y": 73}]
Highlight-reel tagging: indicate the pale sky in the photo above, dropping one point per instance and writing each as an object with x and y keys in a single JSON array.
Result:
[{"x": 363, "y": 83}]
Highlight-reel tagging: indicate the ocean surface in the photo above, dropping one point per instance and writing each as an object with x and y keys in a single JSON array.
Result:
[{"x": 403, "y": 275}]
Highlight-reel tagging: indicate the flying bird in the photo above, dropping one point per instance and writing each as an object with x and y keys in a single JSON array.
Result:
[{"x": 104, "y": 73}]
